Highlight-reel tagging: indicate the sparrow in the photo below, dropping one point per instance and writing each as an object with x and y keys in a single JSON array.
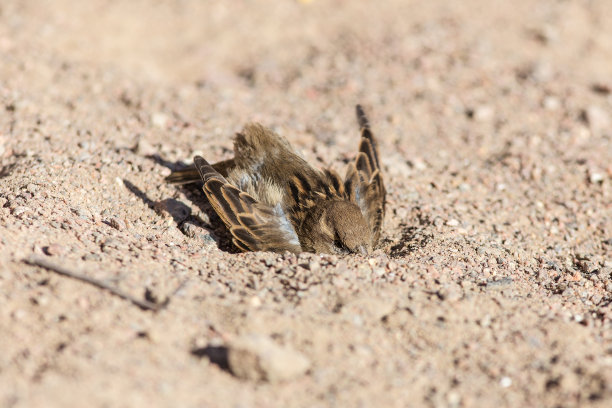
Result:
[{"x": 271, "y": 199}]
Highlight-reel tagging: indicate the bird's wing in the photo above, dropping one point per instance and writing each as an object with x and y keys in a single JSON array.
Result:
[
  {"x": 363, "y": 182},
  {"x": 191, "y": 175},
  {"x": 272, "y": 171},
  {"x": 184, "y": 176},
  {"x": 253, "y": 225}
]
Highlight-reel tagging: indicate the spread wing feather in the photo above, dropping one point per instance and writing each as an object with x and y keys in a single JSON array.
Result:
[
  {"x": 363, "y": 183},
  {"x": 253, "y": 225},
  {"x": 191, "y": 175}
]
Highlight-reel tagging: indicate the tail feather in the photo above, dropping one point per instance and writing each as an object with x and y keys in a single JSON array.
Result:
[{"x": 363, "y": 181}]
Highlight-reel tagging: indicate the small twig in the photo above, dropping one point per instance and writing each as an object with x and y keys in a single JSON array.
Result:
[{"x": 52, "y": 266}]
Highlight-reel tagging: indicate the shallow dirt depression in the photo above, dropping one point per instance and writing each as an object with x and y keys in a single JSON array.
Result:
[{"x": 493, "y": 283}]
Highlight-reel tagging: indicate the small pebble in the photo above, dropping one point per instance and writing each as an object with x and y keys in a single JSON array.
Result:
[
  {"x": 505, "y": 382},
  {"x": 464, "y": 187},
  {"x": 551, "y": 103},
  {"x": 596, "y": 178},
  {"x": 483, "y": 113},
  {"x": 452, "y": 223},
  {"x": 160, "y": 120},
  {"x": 314, "y": 266},
  {"x": 116, "y": 223},
  {"x": 92, "y": 257},
  {"x": 485, "y": 321},
  {"x": 84, "y": 214},
  {"x": 500, "y": 283},
  {"x": 19, "y": 314},
  {"x": 450, "y": 293},
  {"x": 144, "y": 148},
  {"x": 255, "y": 302},
  {"x": 258, "y": 358},
  {"x": 20, "y": 211},
  {"x": 84, "y": 144},
  {"x": 391, "y": 265},
  {"x": 597, "y": 118},
  {"x": 190, "y": 229},
  {"x": 54, "y": 250},
  {"x": 401, "y": 213},
  {"x": 379, "y": 272}
]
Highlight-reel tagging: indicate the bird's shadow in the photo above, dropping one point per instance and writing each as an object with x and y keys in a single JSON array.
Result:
[
  {"x": 215, "y": 354},
  {"x": 173, "y": 166},
  {"x": 185, "y": 220}
]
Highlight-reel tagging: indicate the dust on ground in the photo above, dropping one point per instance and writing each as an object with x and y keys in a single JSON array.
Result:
[{"x": 493, "y": 283}]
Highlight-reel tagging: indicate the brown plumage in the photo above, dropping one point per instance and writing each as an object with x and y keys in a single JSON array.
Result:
[{"x": 271, "y": 199}]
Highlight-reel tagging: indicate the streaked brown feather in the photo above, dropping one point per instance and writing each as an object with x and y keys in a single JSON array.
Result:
[
  {"x": 240, "y": 245},
  {"x": 271, "y": 199},
  {"x": 335, "y": 182},
  {"x": 363, "y": 165},
  {"x": 191, "y": 175},
  {"x": 254, "y": 226},
  {"x": 375, "y": 205},
  {"x": 363, "y": 182}
]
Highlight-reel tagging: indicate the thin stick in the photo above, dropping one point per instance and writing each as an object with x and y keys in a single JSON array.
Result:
[{"x": 52, "y": 266}]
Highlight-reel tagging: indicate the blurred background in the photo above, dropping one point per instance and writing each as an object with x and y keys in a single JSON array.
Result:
[
  {"x": 190, "y": 40},
  {"x": 412, "y": 59}
]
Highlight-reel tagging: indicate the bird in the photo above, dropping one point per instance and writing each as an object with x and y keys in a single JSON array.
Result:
[{"x": 271, "y": 199}]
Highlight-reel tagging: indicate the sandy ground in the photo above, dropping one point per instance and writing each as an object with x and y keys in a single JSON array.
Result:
[{"x": 493, "y": 285}]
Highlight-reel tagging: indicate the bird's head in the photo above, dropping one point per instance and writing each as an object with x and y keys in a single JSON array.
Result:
[{"x": 338, "y": 227}]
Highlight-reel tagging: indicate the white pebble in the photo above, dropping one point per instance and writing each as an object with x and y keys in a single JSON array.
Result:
[
  {"x": 258, "y": 358},
  {"x": 452, "y": 223}
]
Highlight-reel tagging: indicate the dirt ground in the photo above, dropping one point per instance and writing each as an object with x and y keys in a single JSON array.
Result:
[{"x": 493, "y": 285}]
